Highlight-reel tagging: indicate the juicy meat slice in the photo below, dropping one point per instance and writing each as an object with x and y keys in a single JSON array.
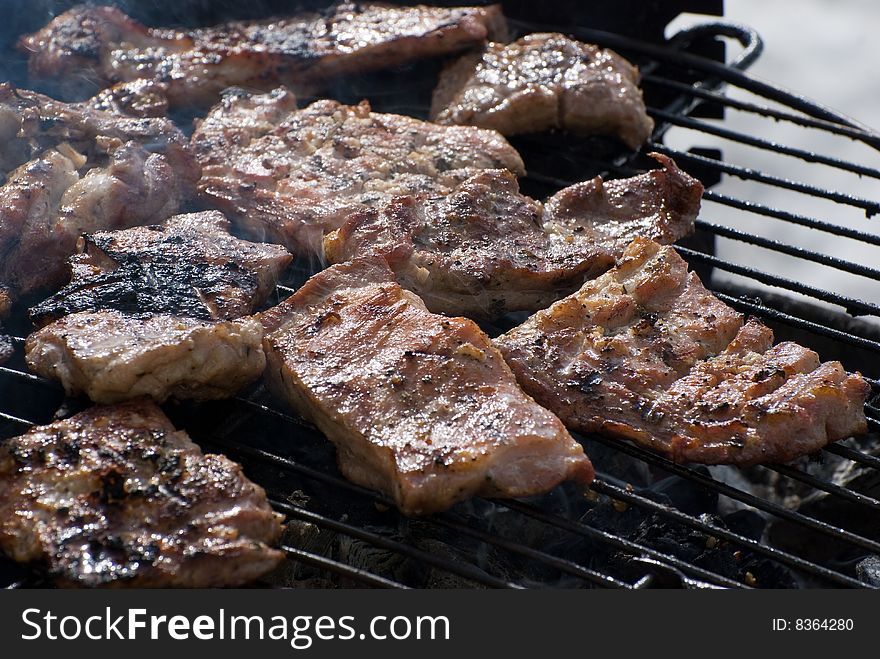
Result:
[
  {"x": 646, "y": 353},
  {"x": 661, "y": 204},
  {"x": 111, "y": 356},
  {"x": 189, "y": 266},
  {"x": 290, "y": 176},
  {"x": 419, "y": 406},
  {"x": 485, "y": 249},
  {"x": 66, "y": 169},
  {"x": 478, "y": 252},
  {"x": 544, "y": 81},
  {"x": 157, "y": 311},
  {"x": 117, "y": 497},
  {"x": 305, "y": 51}
]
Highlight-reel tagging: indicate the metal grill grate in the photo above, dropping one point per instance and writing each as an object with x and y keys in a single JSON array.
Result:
[{"x": 619, "y": 536}]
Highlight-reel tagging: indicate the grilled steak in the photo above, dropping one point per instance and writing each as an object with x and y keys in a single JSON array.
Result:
[
  {"x": 486, "y": 249},
  {"x": 292, "y": 175},
  {"x": 116, "y": 496},
  {"x": 157, "y": 311},
  {"x": 104, "y": 45},
  {"x": 646, "y": 353},
  {"x": 544, "y": 81},
  {"x": 419, "y": 406},
  {"x": 68, "y": 169}
]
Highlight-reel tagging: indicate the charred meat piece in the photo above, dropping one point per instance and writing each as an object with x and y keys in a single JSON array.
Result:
[
  {"x": 68, "y": 169},
  {"x": 104, "y": 45},
  {"x": 189, "y": 266},
  {"x": 544, "y": 81},
  {"x": 486, "y": 249},
  {"x": 117, "y": 497},
  {"x": 157, "y": 311},
  {"x": 290, "y": 176},
  {"x": 419, "y": 406},
  {"x": 646, "y": 353}
]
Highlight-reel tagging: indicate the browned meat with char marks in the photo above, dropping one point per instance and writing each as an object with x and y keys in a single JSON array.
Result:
[
  {"x": 117, "y": 497},
  {"x": 291, "y": 175},
  {"x": 485, "y": 249},
  {"x": 88, "y": 46},
  {"x": 71, "y": 168},
  {"x": 544, "y": 81},
  {"x": 419, "y": 406},
  {"x": 158, "y": 311},
  {"x": 646, "y": 353}
]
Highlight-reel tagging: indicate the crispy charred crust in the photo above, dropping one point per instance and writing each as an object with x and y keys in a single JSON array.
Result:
[{"x": 189, "y": 267}]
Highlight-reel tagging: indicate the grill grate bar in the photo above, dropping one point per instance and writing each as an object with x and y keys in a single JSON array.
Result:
[
  {"x": 740, "y": 495},
  {"x": 761, "y": 309},
  {"x": 746, "y": 173},
  {"x": 464, "y": 570},
  {"x": 342, "y": 569},
  {"x": 622, "y": 494},
  {"x": 15, "y": 419},
  {"x": 764, "y": 110},
  {"x": 830, "y": 488},
  {"x": 794, "y": 218},
  {"x": 852, "y": 305},
  {"x": 848, "y": 453},
  {"x": 742, "y": 138},
  {"x": 791, "y": 250},
  {"x": 630, "y": 547}
]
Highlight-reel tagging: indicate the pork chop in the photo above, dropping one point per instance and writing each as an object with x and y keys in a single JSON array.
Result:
[
  {"x": 544, "y": 81},
  {"x": 486, "y": 249},
  {"x": 290, "y": 176},
  {"x": 88, "y": 46},
  {"x": 158, "y": 311},
  {"x": 646, "y": 353},
  {"x": 117, "y": 497},
  {"x": 419, "y": 406}
]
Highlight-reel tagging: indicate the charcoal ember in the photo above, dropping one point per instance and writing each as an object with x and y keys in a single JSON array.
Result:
[
  {"x": 294, "y": 574},
  {"x": 747, "y": 523},
  {"x": 607, "y": 460},
  {"x": 686, "y": 495},
  {"x": 686, "y": 543},
  {"x": 868, "y": 571},
  {"x": 827, "y": 507}
]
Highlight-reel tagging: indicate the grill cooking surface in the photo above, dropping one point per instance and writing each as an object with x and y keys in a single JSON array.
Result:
[{"x": 646, "y": 522}]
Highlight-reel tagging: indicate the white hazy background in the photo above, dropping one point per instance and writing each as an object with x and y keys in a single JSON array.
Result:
[{"x": 828, "y": 51}]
